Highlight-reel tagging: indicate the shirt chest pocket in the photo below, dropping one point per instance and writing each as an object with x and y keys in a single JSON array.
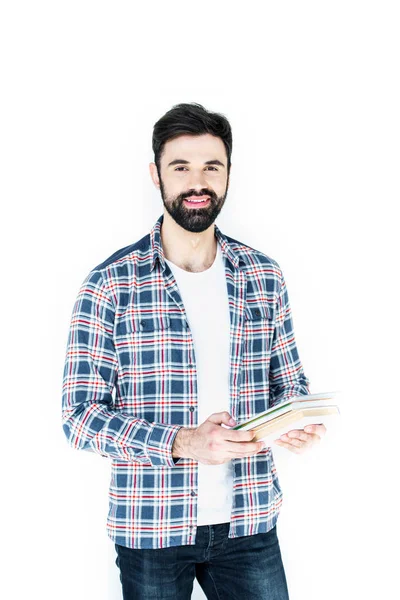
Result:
[
  {"x": 258, "y": 329},
  {"x": 142, "y": 339},
  {"x": 142, "y": 324}
]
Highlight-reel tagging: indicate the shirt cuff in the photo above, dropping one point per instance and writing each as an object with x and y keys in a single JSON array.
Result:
[{"x": 159, "y": 444}]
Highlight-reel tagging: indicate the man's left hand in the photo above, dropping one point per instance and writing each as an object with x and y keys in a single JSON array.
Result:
[{"x": 298, "y": 440}]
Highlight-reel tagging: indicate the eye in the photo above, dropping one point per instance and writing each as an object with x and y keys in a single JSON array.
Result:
[{"x": 209, "y": 167}]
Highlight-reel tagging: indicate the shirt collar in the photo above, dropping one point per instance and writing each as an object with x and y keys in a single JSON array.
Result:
[{"x": 158, "y": 253}]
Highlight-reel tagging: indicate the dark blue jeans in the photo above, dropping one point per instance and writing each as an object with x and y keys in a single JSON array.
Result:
[{"x": 243, "y": 568}]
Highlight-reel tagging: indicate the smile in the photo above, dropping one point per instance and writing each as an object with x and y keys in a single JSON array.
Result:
[{"x": 197, "y": 201}]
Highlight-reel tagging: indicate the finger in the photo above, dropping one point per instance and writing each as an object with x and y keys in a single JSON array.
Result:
[
  {"x": 301, "y": 435},
  {"x": 298, "y": 434},
  {"x": 292, "y": 435},
  {"x": 294, "y": 432},
  {"x": 312, "y": 438},
  {"x": 319, "y": 429},
  {"x": 306, "y": 440},
  {"x": 237, "y": 435},
  {"x": 297, "y": 443},
  {"x": 288, "y": 446},
  {"x": 243, "y": 448},
  {"x": 220, "y": 417}
]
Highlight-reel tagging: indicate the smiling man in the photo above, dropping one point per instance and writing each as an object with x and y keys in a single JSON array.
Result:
[{"x": 173, "y": 340}]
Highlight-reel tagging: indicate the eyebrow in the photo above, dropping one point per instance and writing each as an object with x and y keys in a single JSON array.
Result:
[{"x": 181, "y": 161}]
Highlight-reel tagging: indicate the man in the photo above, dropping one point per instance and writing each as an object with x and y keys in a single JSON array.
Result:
[{"x": 173, "y": 340}]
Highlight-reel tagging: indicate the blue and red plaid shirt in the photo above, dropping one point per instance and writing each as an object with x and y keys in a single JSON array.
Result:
[{"x": 130, "y": 385}]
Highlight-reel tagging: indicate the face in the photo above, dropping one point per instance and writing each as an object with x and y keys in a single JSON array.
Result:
[{"x": 193, "y": 180}]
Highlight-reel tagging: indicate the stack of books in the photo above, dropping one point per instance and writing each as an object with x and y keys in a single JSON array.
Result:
[{"x": 296, "y": 413}]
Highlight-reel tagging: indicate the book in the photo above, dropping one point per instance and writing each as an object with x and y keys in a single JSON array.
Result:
[{"x": 295, "y": 413}]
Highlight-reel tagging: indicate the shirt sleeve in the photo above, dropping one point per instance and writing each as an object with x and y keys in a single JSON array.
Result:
[
  {"x": 89, "y": 418},
  {"x": 286, "y": 376}
]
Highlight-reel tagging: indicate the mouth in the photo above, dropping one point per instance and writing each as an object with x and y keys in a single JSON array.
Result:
[{"x": 197, "y": 201}]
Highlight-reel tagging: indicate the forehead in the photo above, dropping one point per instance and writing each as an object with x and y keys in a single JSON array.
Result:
[{"x": 195, "y": 148}]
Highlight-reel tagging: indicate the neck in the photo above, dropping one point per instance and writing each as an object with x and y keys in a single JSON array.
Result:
[{"x": 188, "y": 250}]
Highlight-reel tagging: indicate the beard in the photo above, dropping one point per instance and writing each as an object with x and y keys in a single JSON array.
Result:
[{"x": 193, "y": 219}]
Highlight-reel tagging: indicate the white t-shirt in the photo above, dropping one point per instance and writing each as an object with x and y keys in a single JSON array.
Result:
[{"x": 205, "y": 297}]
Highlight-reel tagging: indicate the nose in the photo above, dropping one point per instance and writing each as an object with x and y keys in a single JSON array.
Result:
[{"x": 196, "y": 181}]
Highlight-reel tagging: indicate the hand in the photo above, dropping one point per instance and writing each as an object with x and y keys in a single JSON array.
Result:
[
  {"x": 298, "y": 440},
  {"x": 212, "y": 444}
]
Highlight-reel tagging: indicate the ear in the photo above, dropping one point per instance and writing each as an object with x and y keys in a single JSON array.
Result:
[{"x": 154, "y": 174}]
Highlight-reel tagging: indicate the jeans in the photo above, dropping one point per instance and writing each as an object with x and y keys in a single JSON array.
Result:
[{"x": 243, "y": 568}]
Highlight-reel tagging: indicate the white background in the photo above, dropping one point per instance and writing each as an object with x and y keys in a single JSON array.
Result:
[{"x": 312, "y": 93}]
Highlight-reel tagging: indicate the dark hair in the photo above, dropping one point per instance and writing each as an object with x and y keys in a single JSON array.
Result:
[{"x": 190, "y": 119}]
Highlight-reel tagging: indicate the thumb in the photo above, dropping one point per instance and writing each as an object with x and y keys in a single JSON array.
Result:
[{"x": 222, "y": 417}]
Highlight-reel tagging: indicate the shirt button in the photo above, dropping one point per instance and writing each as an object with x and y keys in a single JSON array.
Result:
[
  {"x": 143, "y": 323},
  {"x": 192, "y": 493},
  {"x": 191, "y": 408},
  {"x": 257, "y": 312},
  {"x": 190, "y": 366}
]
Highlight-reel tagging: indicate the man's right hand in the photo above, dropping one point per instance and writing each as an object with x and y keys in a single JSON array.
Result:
[{"x": 212, "y": 444}]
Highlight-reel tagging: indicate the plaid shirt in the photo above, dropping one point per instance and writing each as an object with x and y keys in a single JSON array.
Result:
[{"x": 130, "y": 385}]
